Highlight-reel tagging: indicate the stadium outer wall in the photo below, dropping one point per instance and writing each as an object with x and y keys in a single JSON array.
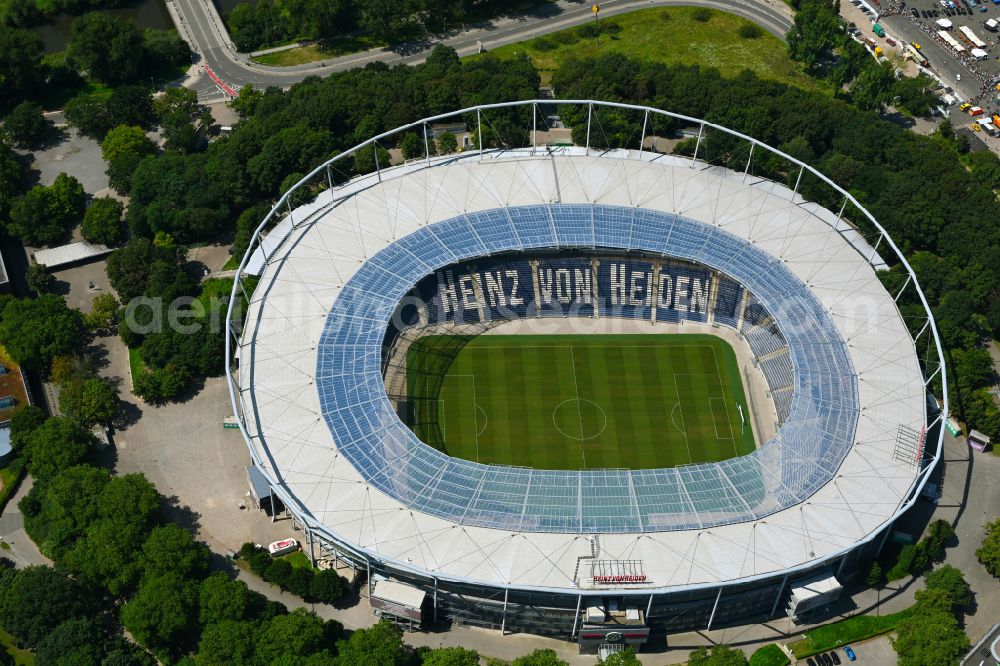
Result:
[{"x": 533, "y": 609}]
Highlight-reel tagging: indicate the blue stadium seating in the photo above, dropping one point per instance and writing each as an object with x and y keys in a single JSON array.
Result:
[{"x": 821, "y": 408}]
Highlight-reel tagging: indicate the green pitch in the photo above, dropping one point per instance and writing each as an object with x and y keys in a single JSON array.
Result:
[{"x": 579, "y": 401}]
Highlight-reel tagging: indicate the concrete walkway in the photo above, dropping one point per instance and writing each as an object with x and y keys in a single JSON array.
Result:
[{"x": 20, "y": 548}]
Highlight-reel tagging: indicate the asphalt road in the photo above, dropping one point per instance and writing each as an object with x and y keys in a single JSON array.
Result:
[
  {"x": 941, "y": 59},
  {"x": 200, "y": 23}
]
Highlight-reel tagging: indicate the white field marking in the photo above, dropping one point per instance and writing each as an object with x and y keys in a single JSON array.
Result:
[
  {"x": 485, "y": 420},
  {"x": 475, "y": 406},
  {"x": 604, "y": 415},
  {"x": 579, "y": 409},
  {"x": 718, "y": 372},
  {"x": 715, "y": 421},
  {"x": 687, "y": 443}
]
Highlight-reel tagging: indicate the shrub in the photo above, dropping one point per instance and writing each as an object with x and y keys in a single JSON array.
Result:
[
  {"x": 299, "y": 581},
  {"x": 701, "y": 15},
  {"x": 259, "y": 561},
  {"x": 278, "y": 572},
  {"x": 750, "y": 31},
  {"x": 327, "y": 586}
]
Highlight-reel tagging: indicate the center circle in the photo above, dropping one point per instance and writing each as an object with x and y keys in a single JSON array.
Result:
[{"x": 579, "y": 419}]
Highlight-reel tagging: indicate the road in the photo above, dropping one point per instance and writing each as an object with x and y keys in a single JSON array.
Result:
[{"x": 199, "y": 22}]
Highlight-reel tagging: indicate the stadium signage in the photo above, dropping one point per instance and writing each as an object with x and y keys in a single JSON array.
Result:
[
  {"x": 576, "y": 282},
  {"x": 621, "y": 578}
]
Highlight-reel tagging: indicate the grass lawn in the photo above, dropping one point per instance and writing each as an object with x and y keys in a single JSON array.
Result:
[
  {"x": 299, "y": 560},
  {"x": 579, "y": 401},
  {"x": 329, "y": 48},
  {"x": 21, "y": 657},
  {"x": 670, "y": 35},
  {"x": 851, "y": 630},
  {"x": 135, "y": 364}
]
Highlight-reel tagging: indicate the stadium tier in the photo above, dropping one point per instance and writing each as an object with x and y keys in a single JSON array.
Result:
[{"x": 464, "y": 245}]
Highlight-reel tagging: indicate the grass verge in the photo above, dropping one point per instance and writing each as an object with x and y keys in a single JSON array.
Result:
[
  {"x": 673, "y": 36},
  {"x": 328, "y": 48},
  {"x": 21, "y": 657},
  {"x": 11, "y": 477},
  {"x": 135, "y": 365},
  {"x": 851, "y": 630}
]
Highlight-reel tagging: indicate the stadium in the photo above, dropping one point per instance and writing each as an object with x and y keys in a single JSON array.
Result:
[{"x": 582, "y": 389}]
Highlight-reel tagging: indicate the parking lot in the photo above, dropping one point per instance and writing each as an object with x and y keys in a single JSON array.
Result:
[{"x": 938, "y": 27}]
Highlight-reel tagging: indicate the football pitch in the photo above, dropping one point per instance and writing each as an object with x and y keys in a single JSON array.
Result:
[{"x": 579, "y": 401}]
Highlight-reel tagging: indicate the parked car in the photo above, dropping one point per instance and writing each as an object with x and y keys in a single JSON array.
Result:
[
  {"x": 914, "y": 13},
  {"x": 836, "y": 659},
  {"x": 850, "y": 653},
  {"x": 810, "y": 662},
  {"x": 976, "y": 111},
  {"x": 890, "y": 41}
]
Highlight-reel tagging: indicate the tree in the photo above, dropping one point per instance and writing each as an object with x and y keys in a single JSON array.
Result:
[
  {"x": 412, "y": 146},
  {"x": 24, "y": 422},
  {"x": 32, "y": 219},
  {"x": 540, "y": 657},
  {"x": 54, "y": 446},
  {"x": 109, "y": 49},
  {"x": 930, "y": 638},
  {"x": 988, "y": 553},
  {"x": 109, "y": 553},
  {"x": 447, "y": 143},
  {"x": 163, "y": 614},
  {"x": 873, "y": 88},
  {"x": 126, "y": 139},
  {"x": 815, "y": 32},
  {"x": 163, "y": 49},
  {"x": 381, "y": 644},
  {"x": 58, "y": 513},
  {"x": 45, "y": 215},
  {"x": 131, "y": 267},
  {"x": 89, "y": 114},
  {"x": 39, "y": 279},
  {"x": 949, "y": 580},
  {"x": 80, "y": 640},
  {"x": 103, "y": 315},
  {"x": 720, "y": 655},
  {"x": 25, "y": 125},
  {"x": 171, "y": 549},
  {"x": 453, "y": 656},
  {"x": 184, "y": 120},
  {"x": 89, "y": 402},
  {"x": 875, "y": 576},
  {"x": 102, "y": 223},
  {"x": 11, "y": 177},
  {"x": 21, "y": 72},
  {"x": 34, "y": 330},
  {"x": 120, "y": 172},
  {"x": 38, "y": 600},
  {"x": 326, "y": 586},
  {"x": 297, "y": 634},
  {"x": 224, "y": 599},
  {"x": 227, "y": 642},
  {"x": 299, "y": 581}
]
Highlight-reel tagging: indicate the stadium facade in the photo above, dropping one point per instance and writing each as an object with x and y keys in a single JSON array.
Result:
[{"x": 342, "y": 271}]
